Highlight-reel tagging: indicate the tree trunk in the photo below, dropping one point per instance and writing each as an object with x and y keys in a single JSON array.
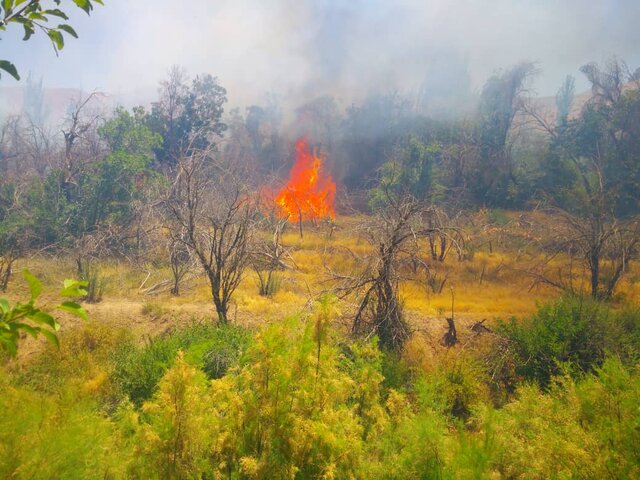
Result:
[{"x": 594, "y": 263}]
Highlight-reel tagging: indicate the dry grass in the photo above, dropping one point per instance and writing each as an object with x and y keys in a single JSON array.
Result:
[{"x": 489, "y": 284}]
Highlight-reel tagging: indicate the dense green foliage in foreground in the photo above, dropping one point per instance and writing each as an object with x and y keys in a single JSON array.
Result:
[{"x": 295, "y": 400}]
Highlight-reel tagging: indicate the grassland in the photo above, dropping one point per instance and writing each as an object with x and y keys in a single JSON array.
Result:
[
  {"x": 489, "y": 283},
  {"x": 149, "y": 387}
]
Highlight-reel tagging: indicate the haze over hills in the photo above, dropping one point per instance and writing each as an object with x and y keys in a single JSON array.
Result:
[{"x": 56, "y": 103}]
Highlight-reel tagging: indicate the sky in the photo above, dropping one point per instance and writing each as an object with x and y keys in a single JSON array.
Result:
[{"x": 303, "y": 49}]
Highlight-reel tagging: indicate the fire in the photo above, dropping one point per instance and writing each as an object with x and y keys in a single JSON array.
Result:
[{"x": 309, "y": 193}]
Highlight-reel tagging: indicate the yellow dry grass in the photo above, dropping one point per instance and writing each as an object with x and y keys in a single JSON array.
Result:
[{"x": 489, "y": 284}]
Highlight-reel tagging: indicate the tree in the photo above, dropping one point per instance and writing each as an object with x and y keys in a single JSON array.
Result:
[
  {"x": 14, "y": 232},
  {"x": 501, "y": 100},
  {"x": 392, "y": 233},
  {"x": 564, "y": 100},
  {"x": 32, "y": 15},
  {"x": 409, "y": 174},
  {"x": 187, "y": 117},
  {"x": 599, "y": 151},
  {"x": 211, "y": 204},
  {"x": 122, "y": 173},
  {"x": 80, "y": 145}
]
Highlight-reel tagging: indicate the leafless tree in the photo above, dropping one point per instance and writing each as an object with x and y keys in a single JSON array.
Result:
[
  {"x": 80, "y": 127},
  {"x": 179, "y": 258},
  {"x": 392, "y": 233},
  {"x": 603, "y": 246},
  {"x": 88, "y": 250},
  {"x": 444, "y": 235},
  {"x": 11, "y": 146},
  {"x": 210, "y": 203},
  {"x": 268, "y": 258}
]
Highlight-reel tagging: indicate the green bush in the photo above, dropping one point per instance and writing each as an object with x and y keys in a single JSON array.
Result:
[
  {"x": 138, "y": 368},
  {"x": 218, "y": 352},
  {"x": 453, "y": 389},
  {"x": 44, "y": 436},
  {"x": 588, "y": 428},
  {"x": 572, "y": 330}
]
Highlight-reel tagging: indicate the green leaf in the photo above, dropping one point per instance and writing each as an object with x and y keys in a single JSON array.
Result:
[
  {"x": 74, "y": 288},
  {"x": 84, "y": 5},
  {"x": 43, "y": 317},
  {"x": 28, "y": 30},
  {"x": 74, "y": 308},
  {"x": 57, "y": 39},
  {"x": 11, "y": 345},
  {"x": 37, "y": 16},
  {"x": 7, "y": 5},
  {"x": 34, "y": 284},
  {"x": 10, "y": 68},
  {"x": 51, "y": 337},
  {"x": 56, "y": 12},
  {"x": 4, "y": 306},
  {"x": 33, "y": 331},
  {"x": 68, "y": 29}
]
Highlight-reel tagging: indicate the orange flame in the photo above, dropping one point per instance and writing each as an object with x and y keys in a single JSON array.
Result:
[{"x": 309, "y": 194}]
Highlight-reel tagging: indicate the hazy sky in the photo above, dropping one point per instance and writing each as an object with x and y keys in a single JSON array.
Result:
[{"x": 306, "y": 48}]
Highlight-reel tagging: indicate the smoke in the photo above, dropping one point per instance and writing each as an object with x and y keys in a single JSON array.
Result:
[{"x": 440, "y": 51}]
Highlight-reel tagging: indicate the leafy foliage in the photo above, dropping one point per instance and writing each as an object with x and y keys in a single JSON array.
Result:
[
  {"x": 26, "y": 317},
  {"x": 32, "y": 15},
  {"x": 302, "y": 403},
  {"x": 215, "y": 349},
  {"x": 411, "y": 174},
  {"x": 188, "y": 117},
  {"x": 574, "y": 333}
]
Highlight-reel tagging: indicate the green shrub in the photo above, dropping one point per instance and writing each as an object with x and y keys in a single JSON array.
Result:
[
  {"x": 291, "y": 411},
  {"x": 571, "y": 330},
  {"x": 216, "y": 353},
  {"x": 624, "y": 335},
  {"x": 589, "y": 428},
  {"x": 398, "y": 375},
  {"x": 213, "y": 347},
  {"x": 45, "y": 436},
  {"x": 452, "y": 389},
  {"x": 178, "y": 427}
]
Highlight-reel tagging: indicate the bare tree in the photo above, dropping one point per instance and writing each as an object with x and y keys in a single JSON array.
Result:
[
  {"x": 392, "y": 233},
  {"x": 7, "y": 259},
  {"x": 268, "y": 258},
  {"x": 213, "y": 207},
  {"x": 179, "y": 258},
  {"x": 443, "y": 234},
  {"x": 80, "y": 127},
  {"x": 602, "y": 246}
]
